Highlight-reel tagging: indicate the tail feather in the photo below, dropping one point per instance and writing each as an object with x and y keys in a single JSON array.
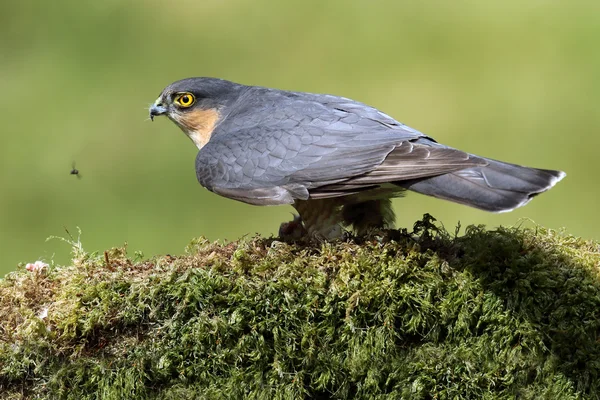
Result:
[{"x": 496, "y": 187}]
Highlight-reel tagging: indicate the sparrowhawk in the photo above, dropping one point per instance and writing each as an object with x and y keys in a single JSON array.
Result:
[{"x": 337, "y": 161}]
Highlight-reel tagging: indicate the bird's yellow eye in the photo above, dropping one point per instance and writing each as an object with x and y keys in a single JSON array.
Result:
[{"x": 185, "y": 100}]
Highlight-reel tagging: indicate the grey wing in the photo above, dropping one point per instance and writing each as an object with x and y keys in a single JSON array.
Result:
[
  {"x": 411, "y": 159},
  {"x": 319, "y": 148}
]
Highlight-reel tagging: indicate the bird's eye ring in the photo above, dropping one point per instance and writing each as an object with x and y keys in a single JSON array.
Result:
[{"x": 185, "y": 99}]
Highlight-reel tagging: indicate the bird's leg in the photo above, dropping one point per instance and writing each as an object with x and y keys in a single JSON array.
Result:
[
  {"x": 368, "y": 215},
  {"x": 322, "y": 218}
]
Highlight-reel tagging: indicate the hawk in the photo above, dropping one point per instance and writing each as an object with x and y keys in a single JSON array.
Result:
[{"x": 337, "y": 161}]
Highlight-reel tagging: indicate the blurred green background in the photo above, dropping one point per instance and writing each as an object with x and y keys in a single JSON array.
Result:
[{"x": 512, "y": 80}]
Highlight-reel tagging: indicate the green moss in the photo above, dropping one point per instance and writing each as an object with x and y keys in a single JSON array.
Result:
[{"x": 492, "y": 314}]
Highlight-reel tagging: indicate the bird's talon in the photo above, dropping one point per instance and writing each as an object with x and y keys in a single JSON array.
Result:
[{"x": 292, "y": 230}]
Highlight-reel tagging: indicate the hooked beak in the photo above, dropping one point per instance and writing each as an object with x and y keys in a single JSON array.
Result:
[{"x": 157, "y": 109}]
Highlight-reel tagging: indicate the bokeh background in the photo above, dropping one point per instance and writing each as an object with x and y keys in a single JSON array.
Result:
[{"x": 517, "y": 81}]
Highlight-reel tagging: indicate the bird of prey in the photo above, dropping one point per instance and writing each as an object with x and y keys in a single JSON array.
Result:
[{"x": 336, "y": 160}]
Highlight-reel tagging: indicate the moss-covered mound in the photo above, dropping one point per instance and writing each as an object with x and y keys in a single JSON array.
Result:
[{"x": 492, "y": 314}]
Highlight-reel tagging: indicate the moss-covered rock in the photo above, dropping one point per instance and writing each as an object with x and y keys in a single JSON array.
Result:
[{"x": 510, "y": 313}]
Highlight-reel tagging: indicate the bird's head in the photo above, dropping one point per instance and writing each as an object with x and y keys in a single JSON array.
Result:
[{"x": 196, "y": 105}]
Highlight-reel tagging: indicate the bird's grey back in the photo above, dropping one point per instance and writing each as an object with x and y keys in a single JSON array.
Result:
[
  {"x": 275, "y": 147},
  {"x": 274, "y": 137}
]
